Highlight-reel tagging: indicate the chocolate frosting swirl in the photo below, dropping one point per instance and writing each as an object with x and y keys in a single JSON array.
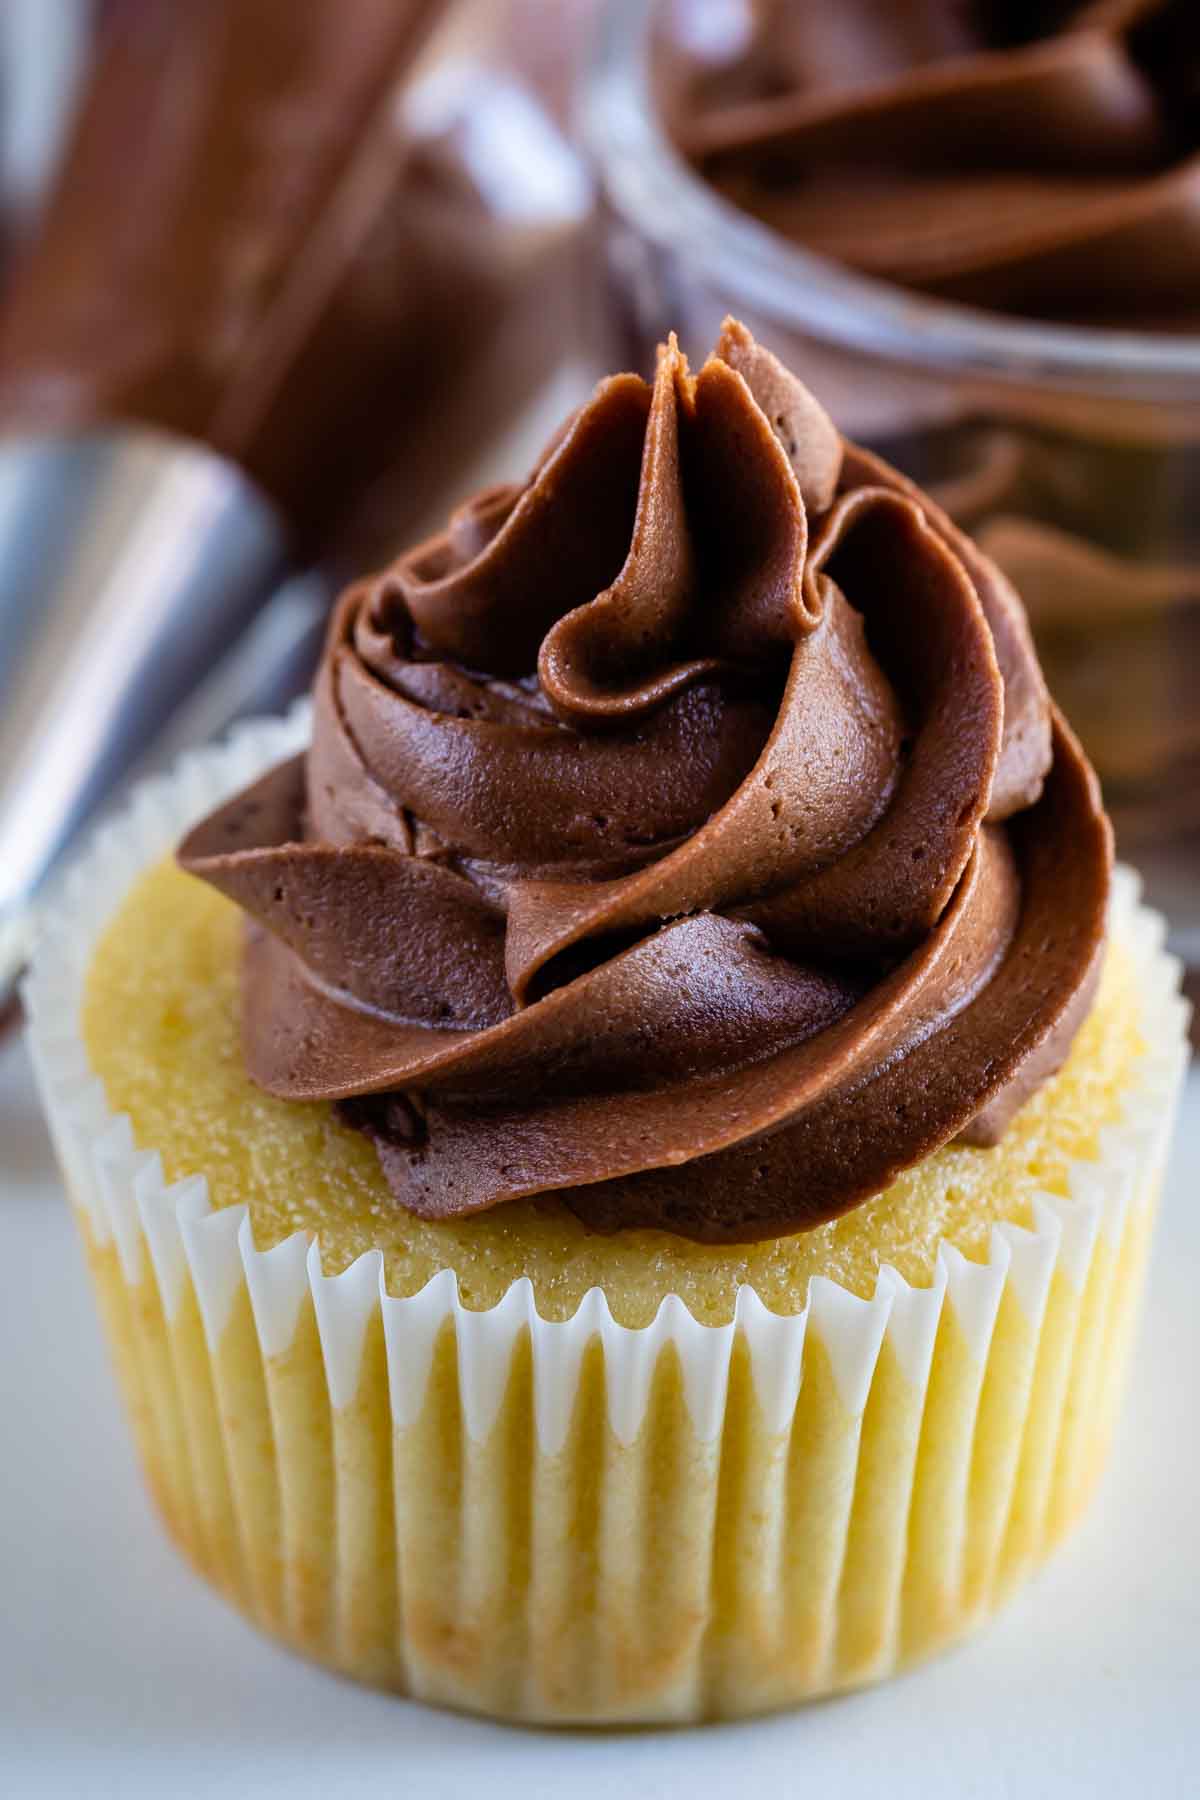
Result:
[
  {"x": 1038, "y": 160},
  {"x": 686, "y": 833}
]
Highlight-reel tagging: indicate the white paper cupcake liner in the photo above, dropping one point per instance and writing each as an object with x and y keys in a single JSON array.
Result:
[{"x": 576, "y": 1520}]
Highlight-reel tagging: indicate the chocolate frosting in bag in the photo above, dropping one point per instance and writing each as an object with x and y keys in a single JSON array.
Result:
[
  {"x": 246, "y": 247},
  {"x": 1039, "y": 160},
  {"x": 686, "y": 833}
]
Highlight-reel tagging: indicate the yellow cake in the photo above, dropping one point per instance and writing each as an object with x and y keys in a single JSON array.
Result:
[{"x": 161, "y": 1027}]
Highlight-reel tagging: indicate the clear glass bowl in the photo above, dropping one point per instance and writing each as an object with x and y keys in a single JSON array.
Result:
[{"x": 1073, "y": 454}]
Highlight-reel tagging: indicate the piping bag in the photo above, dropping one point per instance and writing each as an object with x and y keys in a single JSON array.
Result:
[{"x": 253, "y": 290}]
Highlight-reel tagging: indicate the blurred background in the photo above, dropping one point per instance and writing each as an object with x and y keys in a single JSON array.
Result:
[{"x": 280, "y": 283}]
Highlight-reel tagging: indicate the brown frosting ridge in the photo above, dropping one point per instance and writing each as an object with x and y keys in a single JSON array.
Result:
[
  {"x": 1038, "y": 160},
  {"x": 686, "y": 833}
]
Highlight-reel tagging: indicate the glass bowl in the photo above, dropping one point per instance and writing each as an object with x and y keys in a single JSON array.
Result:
[{"x": 1073, "y": 454}]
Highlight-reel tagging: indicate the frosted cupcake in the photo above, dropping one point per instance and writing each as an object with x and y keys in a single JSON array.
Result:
[{"x": 645, "y": 1220}]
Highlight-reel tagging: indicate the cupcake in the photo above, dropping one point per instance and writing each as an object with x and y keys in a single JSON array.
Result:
[{"x": 617, "y": 1160}]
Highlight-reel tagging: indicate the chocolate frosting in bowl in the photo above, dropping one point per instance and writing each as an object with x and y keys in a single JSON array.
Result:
[
  {"x": 686, "y": 833},
  {"x": 1041, "y": 160}
]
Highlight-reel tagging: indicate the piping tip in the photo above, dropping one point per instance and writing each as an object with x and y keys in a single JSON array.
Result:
[{"x": 130, "y": 564}]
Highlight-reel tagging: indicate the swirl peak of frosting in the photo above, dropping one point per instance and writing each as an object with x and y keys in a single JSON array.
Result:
[
  {"x": 1037, "y": 160},
  {"x": 686, "y": 833}
]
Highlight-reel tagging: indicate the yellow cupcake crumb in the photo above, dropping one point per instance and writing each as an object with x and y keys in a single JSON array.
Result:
[{"x": 161, "y": 1028}]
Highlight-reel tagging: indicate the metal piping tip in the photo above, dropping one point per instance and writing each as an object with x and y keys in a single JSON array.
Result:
[{"x": 130, "y": 564}]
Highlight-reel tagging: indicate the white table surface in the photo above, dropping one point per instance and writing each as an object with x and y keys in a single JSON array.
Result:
[{"x": 120, "y": 1675}]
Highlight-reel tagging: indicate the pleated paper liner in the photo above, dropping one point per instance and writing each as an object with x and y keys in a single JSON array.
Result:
[{"x": 577, "y": 1521}]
